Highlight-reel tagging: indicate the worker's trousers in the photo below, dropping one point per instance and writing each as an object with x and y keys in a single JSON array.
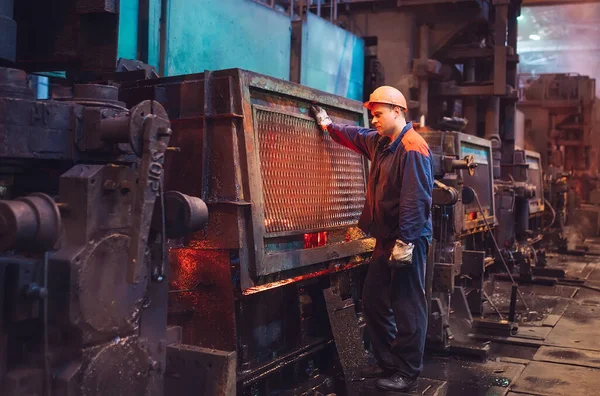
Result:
[{"x": 395, "y": 309}]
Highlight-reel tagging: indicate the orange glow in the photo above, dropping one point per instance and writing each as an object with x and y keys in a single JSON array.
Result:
[
  {"x": 272, "y": 285},
  {"x": 472, "y": 215},
  {"x": 315, "y": 240}
]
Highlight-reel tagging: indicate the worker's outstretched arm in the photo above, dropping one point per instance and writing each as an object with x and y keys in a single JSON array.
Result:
[{"x": 362, "y": 140}]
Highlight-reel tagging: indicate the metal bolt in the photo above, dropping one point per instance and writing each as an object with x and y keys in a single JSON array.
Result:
[
  {"x": 125, "y": 186},
  {"x": 157, "y": 278},
  {"x": 110, "y": 185},
  {"x": 164, "y": 132},
  {"x": 36, "y": 291}
]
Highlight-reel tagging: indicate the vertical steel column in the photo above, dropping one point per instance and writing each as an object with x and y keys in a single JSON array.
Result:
[
  {"x": 492, "y": 132},
  {"x": 143, "y": 36},
  {"x": 423, "y": 81},
  {"x": 508, "y": 17},
  {"x": 335, "y": 11},
  {"x": 470, "y": 102},
  {"x": 500, "y": 27}
]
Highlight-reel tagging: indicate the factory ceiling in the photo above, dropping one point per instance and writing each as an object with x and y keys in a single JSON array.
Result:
[{"x": 561, "y": 38}]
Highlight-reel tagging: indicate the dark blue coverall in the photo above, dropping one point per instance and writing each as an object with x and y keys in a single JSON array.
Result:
[{"x": 398, "y": 206}]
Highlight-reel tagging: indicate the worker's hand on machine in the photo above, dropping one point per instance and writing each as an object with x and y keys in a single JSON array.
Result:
[
  {"x": 322, "y": 118},
  {"x": 401, "y": 255}
]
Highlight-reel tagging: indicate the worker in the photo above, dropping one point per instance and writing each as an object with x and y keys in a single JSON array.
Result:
[{"x": 397, "y": 213}]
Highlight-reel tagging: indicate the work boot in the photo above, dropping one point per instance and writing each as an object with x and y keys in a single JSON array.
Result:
[
  {"x": 374, "y": 371},
  {"x": 397, "y": 383}
]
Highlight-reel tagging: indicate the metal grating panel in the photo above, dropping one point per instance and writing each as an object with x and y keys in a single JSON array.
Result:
[{"x": 309, "y": 181}]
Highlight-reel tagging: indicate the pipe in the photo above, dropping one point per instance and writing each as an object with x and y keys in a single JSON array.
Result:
[
  {"x": 492, "y": 132},
  {"x": 335, "y": 10},
  {"x": 469, "y": 73},
  {"x": 470, "y": 113},
  {"x": 513, "y": 303},
  {"x": 47, "y": 368},
  {"x": 423, "y": 81}
]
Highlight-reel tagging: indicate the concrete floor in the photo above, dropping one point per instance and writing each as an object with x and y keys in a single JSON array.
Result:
[{"x": 556, "y": 350}]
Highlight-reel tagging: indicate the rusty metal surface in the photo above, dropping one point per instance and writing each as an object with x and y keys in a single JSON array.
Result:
[
  {"x": 100, "y": 309},
  {"x": 201, "y": 298},
  {"x": 275, "y": 262},
  {"x": 425, "y": 387},
  {"x": 13, "y": 83},
  {"x": 251, "y": 150},
  {"x": 541, "y": 378},
  {"x": 156, "y": 137},
  {"x": 118, "y": 368},
  {"x": 62, "y": 35},
  {"x": 575, "y": 357},
  {"x": 106, "y": 336},
  {"x": 54, "y": 129},
  {"x": 298, "y": 91},
  {"x": 230, "y": 157},
  {"x": 578, "y": 328},
  {"x": 473, "y": 378},
  {"x": 348, "y": 340},
  {"x": 310, "y": 182},
  {"x": 192, "y": 369}
]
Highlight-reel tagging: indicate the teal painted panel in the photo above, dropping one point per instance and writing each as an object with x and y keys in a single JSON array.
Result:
[
  {"x": 128, "y": 29},
  {"x": 154, "y": 33},
  {"x": 223, "y": 34},
  {"x": 333, "y": 59}
]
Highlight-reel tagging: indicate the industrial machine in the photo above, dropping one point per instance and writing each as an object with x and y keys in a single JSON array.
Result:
[
  {"x": 521, "y": 206},
  {"x": 83, "y": 250},
  {"x": 84, "y": 222},
  {"x": 463, "y": 213},
  {"x": 259, "y": 293},
  {"x": 560, "y": 113}
]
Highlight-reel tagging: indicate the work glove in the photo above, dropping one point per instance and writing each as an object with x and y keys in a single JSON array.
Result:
[
  {"x": 401, "y": 255},
  {"x": 323, "y": 120}
]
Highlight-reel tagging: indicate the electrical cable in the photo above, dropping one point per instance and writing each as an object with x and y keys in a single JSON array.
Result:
[
  {"x": 498, "y": 249},
  {"x": 163, "y": 236},
  {"x": 553, "y": 214}
]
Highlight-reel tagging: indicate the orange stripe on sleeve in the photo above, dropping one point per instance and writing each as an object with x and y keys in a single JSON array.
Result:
[{"x": 412, "y": 141}]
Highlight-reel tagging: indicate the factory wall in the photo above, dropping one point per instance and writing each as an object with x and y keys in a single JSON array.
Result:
[{"x": 395, "y": 47}]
